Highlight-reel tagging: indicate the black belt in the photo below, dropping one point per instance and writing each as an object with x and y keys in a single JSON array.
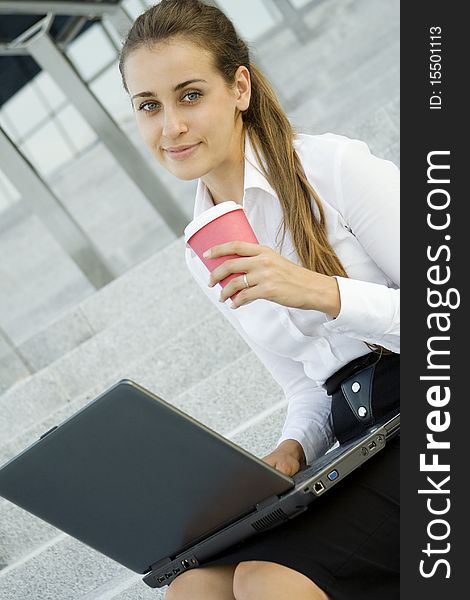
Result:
[
  {"x": 353, "y": 406},
  {"x": 332, "y": 383}
]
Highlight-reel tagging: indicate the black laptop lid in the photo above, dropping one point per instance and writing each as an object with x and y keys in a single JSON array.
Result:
[{"x": 136, "y": 479}]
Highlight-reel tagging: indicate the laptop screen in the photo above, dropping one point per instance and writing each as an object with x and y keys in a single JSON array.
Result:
[{"x": 136, "y": 479}]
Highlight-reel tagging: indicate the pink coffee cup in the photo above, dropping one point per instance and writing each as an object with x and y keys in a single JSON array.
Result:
[{"x": 224, "y": 222}]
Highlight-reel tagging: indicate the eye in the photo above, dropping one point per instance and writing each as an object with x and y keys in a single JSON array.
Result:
[
  {"x": 148, "y": 106},
  {"x": 192, "y": 96}
]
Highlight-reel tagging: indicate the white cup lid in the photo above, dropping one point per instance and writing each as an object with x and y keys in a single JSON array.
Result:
[{"x": 209, "y": 215}]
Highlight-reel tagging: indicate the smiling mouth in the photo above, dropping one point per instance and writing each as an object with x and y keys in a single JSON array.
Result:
[{"x": 183, "y": 153}]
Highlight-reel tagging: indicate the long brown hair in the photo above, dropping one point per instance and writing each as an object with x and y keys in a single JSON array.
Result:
[{"x": 265, "y": 121}]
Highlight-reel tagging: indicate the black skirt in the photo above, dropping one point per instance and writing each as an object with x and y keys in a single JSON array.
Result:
[{"x": 347, "y": 541}]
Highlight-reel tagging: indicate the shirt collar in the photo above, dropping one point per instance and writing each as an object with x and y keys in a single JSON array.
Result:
[{"x": 253, "y": 178}]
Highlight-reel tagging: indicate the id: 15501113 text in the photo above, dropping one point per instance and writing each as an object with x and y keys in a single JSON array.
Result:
[{"x": 435, "y": 68}]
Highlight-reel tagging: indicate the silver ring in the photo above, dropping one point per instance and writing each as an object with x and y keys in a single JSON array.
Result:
[{"x": 247, "y": 285}]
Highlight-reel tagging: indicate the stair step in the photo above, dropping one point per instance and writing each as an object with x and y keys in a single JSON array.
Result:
[
  {"x": 104, "y": 357},
  {"x": 63, "y": 568},
  {"x": 126, "y": 295},
  {"x": 12, "y": 367},
  {"x": 150, "y": 280},
  {"x": 38, "y": 279},
  {"x": 127, "y": 586},
  {"x": 136, "y": 590},
  {"x": 46, "y": 340}
]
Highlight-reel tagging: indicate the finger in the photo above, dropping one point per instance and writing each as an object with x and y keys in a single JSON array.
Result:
[
  {"x": 235, "y": 247},
  {"x": 244, "y": 297},
  {"x": 274, "y": 463},
  {"x": 237, "y": 284},
  {"x": 287, "y": 467},
  {"x": 283, "y": 467},
  {"x": 228, "y": 267},
  {"x": 279, "y": 463}
]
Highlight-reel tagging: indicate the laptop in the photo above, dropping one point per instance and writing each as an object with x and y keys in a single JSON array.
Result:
[{"x": 155, "y": 490}]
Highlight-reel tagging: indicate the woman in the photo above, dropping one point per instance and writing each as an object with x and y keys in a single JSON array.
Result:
[{"x": 323, "y": 295}]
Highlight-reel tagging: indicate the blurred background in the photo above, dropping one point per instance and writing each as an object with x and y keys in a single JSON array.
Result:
[{"x": 93, "y": 284}]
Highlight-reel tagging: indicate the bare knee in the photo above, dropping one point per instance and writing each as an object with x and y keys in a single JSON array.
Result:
[
  {"x": 246, "y": 575},
  {"x": 180, "y": 587},
  {"x": 253, "y": 580},
  {"x": 205, "y": 583}
]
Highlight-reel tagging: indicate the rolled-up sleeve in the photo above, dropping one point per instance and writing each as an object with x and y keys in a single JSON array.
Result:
[
  {"x": 369, "y": 312},
  {"x": 368, "y": 192}
]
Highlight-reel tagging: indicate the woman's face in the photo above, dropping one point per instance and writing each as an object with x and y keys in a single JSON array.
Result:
[{"x": 187, "y": 115}]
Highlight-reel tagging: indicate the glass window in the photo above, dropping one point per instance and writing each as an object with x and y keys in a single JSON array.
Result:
[
  {"x": 135, "y": 7},
  {"x": 80, "y": 134},
  {"x": 8, "y": 192},
  {"x": 25, "y": 109},
  {"x": 49, "y": 89},
  {"x": 251, "y": 18},
  {"x": 91, "y": 52},
  {"x": 299, "y": 3},
  {"x": 110, "y": 92},
  {"x": 7, "y": 127},
  {"x": 47, "y": 149}
]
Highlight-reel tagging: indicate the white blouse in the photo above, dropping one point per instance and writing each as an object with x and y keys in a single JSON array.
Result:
[{"x": 302, "y": 348}]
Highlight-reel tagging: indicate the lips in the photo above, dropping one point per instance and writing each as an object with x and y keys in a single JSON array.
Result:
[
  {"x": 177, "y": 152},
  {"x": 180, "y": 148}
]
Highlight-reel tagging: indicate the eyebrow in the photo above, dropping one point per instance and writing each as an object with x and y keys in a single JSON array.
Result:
[{"x": 177, "y": 87}]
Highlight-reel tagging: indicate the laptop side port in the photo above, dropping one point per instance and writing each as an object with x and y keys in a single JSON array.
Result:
[
  {"x": 332, "y": 475},
  {"x": 318, "y": 487}
]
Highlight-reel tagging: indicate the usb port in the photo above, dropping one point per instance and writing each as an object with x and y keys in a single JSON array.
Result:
[{"x": 372, "y": 445}]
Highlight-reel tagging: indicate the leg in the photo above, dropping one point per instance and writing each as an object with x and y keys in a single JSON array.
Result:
[
  {"x": 261, "y": 580},
  {"x": 205, "y": 583}
]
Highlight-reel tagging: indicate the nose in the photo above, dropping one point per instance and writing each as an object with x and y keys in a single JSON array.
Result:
[{"x": 173, "y": 124}]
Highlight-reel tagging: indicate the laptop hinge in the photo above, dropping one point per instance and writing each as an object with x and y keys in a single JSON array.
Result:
[
  {"x": 260, "y": 506},
  {"x": 267, "y": 502},
  {"x": 160, "y": 564}
]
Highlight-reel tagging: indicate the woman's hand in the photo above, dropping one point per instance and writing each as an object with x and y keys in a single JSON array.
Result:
[
  {"x": 288, "y": 457},
  {"x": 272, "y": 277}
]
